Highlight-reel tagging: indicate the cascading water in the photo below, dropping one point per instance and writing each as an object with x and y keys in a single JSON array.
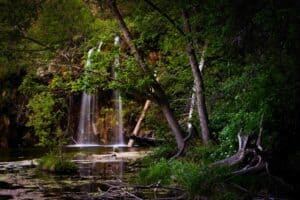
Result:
[
  {"x": 119, "y": 130},
  {"x": 87, "y": 130}
]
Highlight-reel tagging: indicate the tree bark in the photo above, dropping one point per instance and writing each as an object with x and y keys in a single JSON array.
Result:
[
  {"x": 138, "y": 125},
  {"x": 158, "y": 93},
  {"x": 193, "y": 98},
  {"x": 199, "y": 89}
]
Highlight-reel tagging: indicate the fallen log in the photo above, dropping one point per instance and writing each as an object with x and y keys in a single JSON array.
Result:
[
  {"x": 139, "y": 123},
  {"x": 143, "y": 141}
]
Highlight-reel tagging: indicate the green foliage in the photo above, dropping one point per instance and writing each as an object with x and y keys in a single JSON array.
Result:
[
  {"x": 30, "y": 86},
  {"x": 157, "y": 173},
  {"x": 202, "y": 154},
  {"x": 105, "y": 31},
  {"x": 44, "y": 118},
  {"x": 194, "y": 178},
  {"x": 57, "y": 164},
  {"x": 130, "y": 79},
  {"x": 58, "y": 83},
  {"x": 96, "y": 75},
  {"x": 62, "y": 21},
  {"x": 165, "y": 151},
  {"x": 198, "y": 179}
]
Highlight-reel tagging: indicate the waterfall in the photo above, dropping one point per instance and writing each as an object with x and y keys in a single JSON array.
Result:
[
  {"x": 119, "y": 130},
  {"x": 87, "y": 129}
]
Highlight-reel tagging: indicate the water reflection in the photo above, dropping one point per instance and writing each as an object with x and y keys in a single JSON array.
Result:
[
  {"x": 103, "y": 170},
  {"x": 96, "y": 164}
]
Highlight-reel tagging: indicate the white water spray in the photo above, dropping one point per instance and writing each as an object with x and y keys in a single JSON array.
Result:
[
  {"x": 87, "y": 129},
  {"x": 118, "y": 102}
]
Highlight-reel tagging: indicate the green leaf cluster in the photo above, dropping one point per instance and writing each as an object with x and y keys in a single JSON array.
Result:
[
  {"x": 62, "y": 21},
  {"x": 44, "y": 117}
]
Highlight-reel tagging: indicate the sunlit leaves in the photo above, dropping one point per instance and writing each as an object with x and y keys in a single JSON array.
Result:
[
  {"x": 96, "y": 75},
  {"x": 44, "y": 116}
]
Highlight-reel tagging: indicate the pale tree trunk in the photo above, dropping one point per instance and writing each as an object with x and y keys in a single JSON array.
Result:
[
  {"x": 138, "y": 125},
  {"x": 199, "y": 89},
  {"x": 193, "y": 98},
  {"x": 158, "y": 93}
]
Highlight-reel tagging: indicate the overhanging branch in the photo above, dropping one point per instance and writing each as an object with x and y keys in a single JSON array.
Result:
[{"x": 174, "y": 24}]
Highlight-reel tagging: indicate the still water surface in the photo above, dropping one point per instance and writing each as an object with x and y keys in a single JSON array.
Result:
[{"x": 19, "y": 182}]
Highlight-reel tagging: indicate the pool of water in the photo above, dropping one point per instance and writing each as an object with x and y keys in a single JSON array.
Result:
[
  {"x": 18, "y": 154},
  {"x": 18, "y": 181}
]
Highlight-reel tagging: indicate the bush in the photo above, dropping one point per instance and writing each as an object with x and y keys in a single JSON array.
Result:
[{"x": 56, "y": 164}]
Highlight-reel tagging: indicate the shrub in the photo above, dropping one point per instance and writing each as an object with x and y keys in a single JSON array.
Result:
[{"x": 56, "y": 164}]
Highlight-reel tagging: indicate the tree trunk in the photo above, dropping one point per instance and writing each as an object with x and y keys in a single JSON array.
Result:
[
  {"x": 193, "y": 98},
  {"x": 158, "y": 93},
  {"x": 199, "y": 89},
  {"x": 173, "y": 123},
  {"x": 138, "y": 125}
]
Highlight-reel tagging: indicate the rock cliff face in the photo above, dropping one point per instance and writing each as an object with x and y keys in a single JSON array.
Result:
[
  {"x": 4, "y": 123},
  {"x": 12, "y": 120},
  {"x": 12, "y": 111},
  {"x": 13, "y": 116}
]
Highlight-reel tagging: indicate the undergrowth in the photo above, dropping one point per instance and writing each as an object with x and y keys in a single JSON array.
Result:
[
  {"x": 194, "y": 178},
  {"x": 190, "y": 173},
  {"x": 56, "y": 164}
]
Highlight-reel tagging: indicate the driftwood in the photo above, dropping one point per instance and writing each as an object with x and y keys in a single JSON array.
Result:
[
  {"x": 120, "y": 190},
  {"x": 250, "y": 154},
  {"x": 139, "y": 123}
]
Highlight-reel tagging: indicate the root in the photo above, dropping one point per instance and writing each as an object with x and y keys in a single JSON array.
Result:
[{"x": 250, "y": 154}]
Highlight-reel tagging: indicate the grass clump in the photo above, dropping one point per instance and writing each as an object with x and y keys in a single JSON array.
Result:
[
  {"x": 197, "y": 179},
  {"x": 57, "y": 164},
  {"x": 192, "y": 177},
  {"x": 156, "y": 173},
  {"x": 202, "y": 154}
]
